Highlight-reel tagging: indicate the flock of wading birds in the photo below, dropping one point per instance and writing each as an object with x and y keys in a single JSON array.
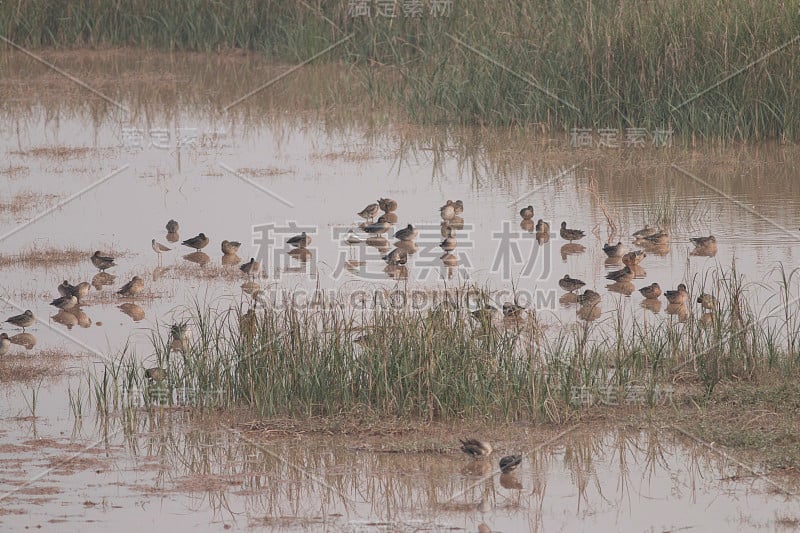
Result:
[{"x": 648, "y": 238}]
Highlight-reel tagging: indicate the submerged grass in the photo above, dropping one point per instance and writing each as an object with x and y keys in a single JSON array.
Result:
[
  {"x": 37, "y": 256},
  {"x": 440, "y": 363},
  {"x": 702, "y": 69}
]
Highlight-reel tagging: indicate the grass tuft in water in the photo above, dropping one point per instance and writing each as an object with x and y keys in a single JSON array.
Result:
[{"x": 440, "y": 363}]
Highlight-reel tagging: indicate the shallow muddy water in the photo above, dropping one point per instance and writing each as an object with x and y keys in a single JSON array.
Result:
[
  {"x": 105, "y": 169},
  {"x": 215, "y": 478}
]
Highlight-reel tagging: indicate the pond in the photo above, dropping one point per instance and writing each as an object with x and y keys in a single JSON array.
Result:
[{"x": 104, "y": 162}]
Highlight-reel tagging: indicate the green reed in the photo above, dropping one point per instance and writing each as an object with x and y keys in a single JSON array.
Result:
[
  {"x": 708, "y": 69},
  {"x": 440, "y": 362}
]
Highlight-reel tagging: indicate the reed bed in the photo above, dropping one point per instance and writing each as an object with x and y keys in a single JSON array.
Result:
[
  {"x": 709, "y": 69},
  {"x": 441, "y": 363}
]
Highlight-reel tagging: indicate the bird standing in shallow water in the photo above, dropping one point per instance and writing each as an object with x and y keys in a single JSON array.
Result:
[
  {"x": 102, "y": 262},
  {"x": 614, "y": 250},
  {"x": 623, "y": 274},
  {"x": 300, "y": 241},
  {"x": 646, "y": 231},
  {"x": 448, "y": 210},
  {"x": 526, "y": 212},
  {"x": 588, "y": 297},
  {"x": 510, "y": 463},
  {"x": 396, "y": 257},
  {"x": 377, "y": 228},
  {"x": 369, "y": 212},
  {"x": 159, "y": 248},
  {"x": 570, "y": 284},
  {"x": 707, "y": 301},
  {"x": 65, "y": 289},
  {"x": 409, "y": 233},
  {"x": 660, "y": 237},
  {"x": 679, "y": 296},
  {"x": 65, "y": 302},
  {"x": 449, "y": 243},
  {"x": 172, "y": 226},
  {"x": 651, "y": 292},
  {"x": 230, "y": 247},
  {"x": 252, "y": 267},
  {"x": 632, "y": 259},
  {"x": 132, "y": 288},
  {"x": 25, "y": 320},
  {"x": 571, "y": 234},
  {"x": 155, "y": 374},
  {"x": 705, "y": 246},
  {"x": 198, "y": 243},
  {"x": 387, "y": 205},
  {"x": 703, "y": 242},
  {"x": 475, "y": 447},
  {"x": 80, "y": 290},
  {"x": 512, "y": 309},
  {"x": 542, "y": 226},
  {"x": 484, "y": 314}
]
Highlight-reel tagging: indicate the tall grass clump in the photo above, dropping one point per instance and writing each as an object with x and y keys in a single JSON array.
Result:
[
  {"x": 707, "y": 69},
  {"x": 441, "y": 362}
]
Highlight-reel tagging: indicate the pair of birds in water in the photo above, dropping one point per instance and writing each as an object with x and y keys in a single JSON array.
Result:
[
  {"x": 478, "y": 449},
  {"x": 102, "y": 263}
]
